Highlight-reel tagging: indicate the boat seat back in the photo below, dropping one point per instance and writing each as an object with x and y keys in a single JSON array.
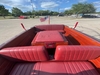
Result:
[
  {"x": 28, "y": 53},
  {"x": 70, "y": 53},
  {"x": 59, "y": 27},
  {"x": 54, "y": 68}
]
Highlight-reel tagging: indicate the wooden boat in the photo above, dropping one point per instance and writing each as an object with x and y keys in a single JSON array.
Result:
[{"x": 50, "y": 50}]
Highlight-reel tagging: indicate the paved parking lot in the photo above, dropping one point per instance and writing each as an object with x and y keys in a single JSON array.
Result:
[{"x": 11, "y": 27}]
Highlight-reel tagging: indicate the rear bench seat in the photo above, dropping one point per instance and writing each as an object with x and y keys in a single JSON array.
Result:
[
  {"x": 58, "y": 27},
  {"x": 70, "y": 61}
]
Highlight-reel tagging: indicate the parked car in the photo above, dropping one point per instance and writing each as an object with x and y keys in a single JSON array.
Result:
[{"x": 23, "y": 17}]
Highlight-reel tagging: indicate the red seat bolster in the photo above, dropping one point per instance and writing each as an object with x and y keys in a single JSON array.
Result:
[
  {"x": 77, "y": 52},
  {"x": 28, "y": 53}
]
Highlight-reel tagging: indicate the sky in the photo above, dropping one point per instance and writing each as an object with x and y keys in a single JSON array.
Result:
[{"x": 52, "y": 5}]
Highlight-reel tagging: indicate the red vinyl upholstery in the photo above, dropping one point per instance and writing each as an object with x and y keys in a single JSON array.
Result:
[
  {"x": 54, "y": 68},
  {"x": 59, "y": 27},
  {"x": 48, "y": 39},
  {"x": 5, "y": 66},
  {"x": 66, "y": 53},
  {"x": 28, "y": 53}
]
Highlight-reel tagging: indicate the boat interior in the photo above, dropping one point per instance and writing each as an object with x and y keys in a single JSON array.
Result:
[{"x": 52, "y": 49}]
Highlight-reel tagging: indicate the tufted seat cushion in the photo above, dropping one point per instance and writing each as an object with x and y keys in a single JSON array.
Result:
[
  {"x": 28, "y": 53},
  {"x": 54, "y": 68},
  {"x": 67, "y": 53}
]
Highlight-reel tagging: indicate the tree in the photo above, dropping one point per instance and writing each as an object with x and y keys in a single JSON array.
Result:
[
  {"x": 68, "y": 12},
  {"x": 83, "y": 8},
  {"x": 16, "y": 12},
  {"x": 55, "y": 13},
  {"x": 44, "y": 12},
  {"x": 3, "y": 11},
  {"x": 27, "y": 13},
  {"x": 33, "y": 12}
]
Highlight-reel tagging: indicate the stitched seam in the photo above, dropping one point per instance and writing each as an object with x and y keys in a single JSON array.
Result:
[
  {"x": 34, "y": 68},
  {"x": 82, "y": 57},
  {"x": 39, "y": 68},
  {"x": 70, "y": 67},
  {"x": 17, "y": 70},
  {"x": 88, "y": 68},
  {"x": 22, "y": 68},
  {"x": 88, "y": 53},
  {"x": 79, "y": 54},
  {"x": 84, "y": 68},
  {"x": 79, "y": 68},
  {"x": 24, "y": 55},
  {"x": 65, "y": 52},
  {"x": 33, "y": 53},
  {"x": 29, "y": 55},
  {"x": 74, "y": 67},
  {"x": 26, "y": 69},
  {"x": 65, "y": 67},
  {"x": 92, "y": 54},
  {"x": 74, "y": 54},
  {"x": 37, "y": 54},
  {"x": 10, "y": 53},
  {"x": 15, "y": 54},
  {"x": 69, "y": 54},
  {"x": 19, "y": 54}
]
